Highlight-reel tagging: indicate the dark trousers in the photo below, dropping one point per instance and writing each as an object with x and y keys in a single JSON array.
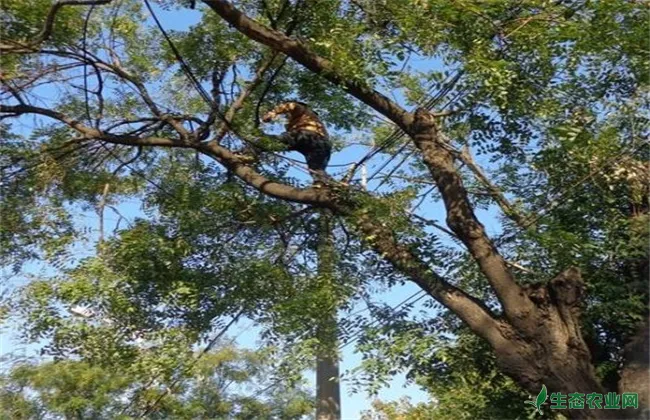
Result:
[{"x": 316, "y": 149}]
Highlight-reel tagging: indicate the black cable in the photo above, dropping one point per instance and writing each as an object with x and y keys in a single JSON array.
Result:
[
  {"x": 355, "y": 337},
  {"x": 398, "y": 134},
  {"x": 204, "y": 95}
]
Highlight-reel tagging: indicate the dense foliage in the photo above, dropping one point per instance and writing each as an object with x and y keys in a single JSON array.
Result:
[
  {"x": 108, "y": 121},
  {"x": 221, "y": 384}
]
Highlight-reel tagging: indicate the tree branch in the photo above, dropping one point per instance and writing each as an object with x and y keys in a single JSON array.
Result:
[
  {"x": 494, "y": 191},
  {"x": 93, "y": 133},
  {"x": 303, "y": 55},
  {"x": 469, "y": 309},
  {"x": 321, "y": 197},
  {"x": 462, "y": 220},
  {"x": 12, "y": 90},
  {"x": 243, "y": 95}
]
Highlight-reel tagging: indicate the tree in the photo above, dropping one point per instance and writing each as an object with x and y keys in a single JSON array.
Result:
[
  {"x": 213, "y": 388},
  {"x": 551, "y": 94}
]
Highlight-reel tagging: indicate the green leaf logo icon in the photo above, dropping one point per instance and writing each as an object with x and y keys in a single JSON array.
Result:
[{"x": 539, "y": 401}]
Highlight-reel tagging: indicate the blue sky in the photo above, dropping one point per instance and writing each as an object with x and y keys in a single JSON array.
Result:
[{"x": 352, "y": 404}]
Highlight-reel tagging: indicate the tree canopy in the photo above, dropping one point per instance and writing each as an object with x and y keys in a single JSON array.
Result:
[{"x": 492, "y": 153}]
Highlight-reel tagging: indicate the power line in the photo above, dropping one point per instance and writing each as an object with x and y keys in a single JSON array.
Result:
[
  {"x": 552, "y": 205},
  {"x": 186, "y": 69},
  {"x": 206, "y": 98},
  {"x": 398, "y": 133},
  {"x": 358, "y": 335}
]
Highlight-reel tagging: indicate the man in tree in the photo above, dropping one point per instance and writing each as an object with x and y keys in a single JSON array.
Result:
[{"x": 305, "y": 133}]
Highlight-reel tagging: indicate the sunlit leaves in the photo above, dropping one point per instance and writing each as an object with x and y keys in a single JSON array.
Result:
[
  {"x": 221, "y": 383},
  {"x": 23, "y": 20}
]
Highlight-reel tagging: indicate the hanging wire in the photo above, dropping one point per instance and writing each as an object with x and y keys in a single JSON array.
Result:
[
  {"x": 209, "y": 100},
  {"x": 398, "y": 133}
]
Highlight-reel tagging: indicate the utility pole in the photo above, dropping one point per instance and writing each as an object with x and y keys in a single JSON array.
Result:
[{"x": 328, "y": 391}]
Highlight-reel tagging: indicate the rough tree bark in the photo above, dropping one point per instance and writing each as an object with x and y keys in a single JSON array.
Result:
[{"x": 635, "y": 375}]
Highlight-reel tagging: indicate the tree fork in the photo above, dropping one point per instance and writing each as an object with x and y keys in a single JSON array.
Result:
[{"x": 555, "y": 354}]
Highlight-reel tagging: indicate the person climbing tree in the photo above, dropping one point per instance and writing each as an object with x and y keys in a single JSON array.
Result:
[{"x": 306, "y": 134}]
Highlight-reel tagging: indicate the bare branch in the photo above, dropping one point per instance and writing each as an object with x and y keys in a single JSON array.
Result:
[
  {"x": 29, "y": 79},
  {"x": 12, "y": 90},
  {"x": 243, "y": 95},
  {"x": 508, "y": 209}
]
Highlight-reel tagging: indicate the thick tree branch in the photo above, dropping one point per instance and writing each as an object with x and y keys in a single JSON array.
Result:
[
  {"x": 90, "y": 132},
  {"x": 460, "y": 217},
  {"x": 462, "y": 220},
  {"x": 471, "y": 310},
  {"x": 320, "y": 197},
  {"x": 303, "y": 55}
]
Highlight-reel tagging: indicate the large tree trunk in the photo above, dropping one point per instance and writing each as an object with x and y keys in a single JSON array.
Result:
[
  {"x": 635, "y": 375},
  {"x": 540, "y": 342},
  {"x": 556, "y": 355}
]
